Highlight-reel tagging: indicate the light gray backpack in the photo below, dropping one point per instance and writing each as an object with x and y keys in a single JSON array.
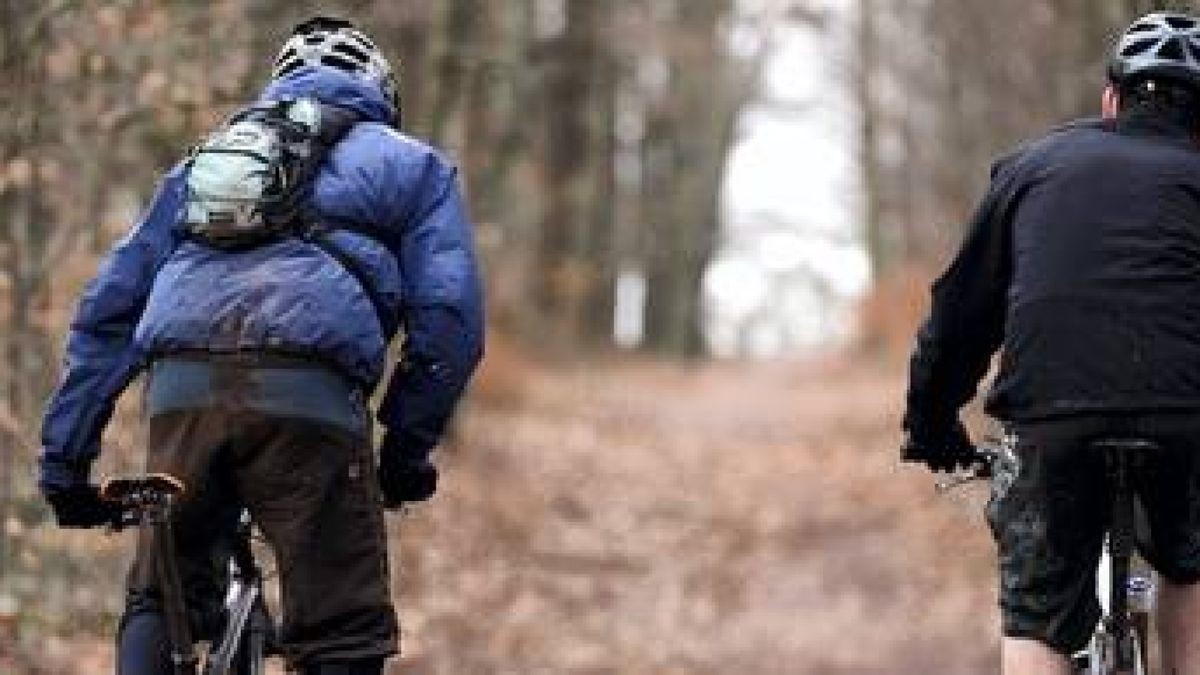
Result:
[{"x": 247, "y": 180}]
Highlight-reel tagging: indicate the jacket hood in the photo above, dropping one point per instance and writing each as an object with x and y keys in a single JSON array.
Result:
[{"x": 334, "y": 87}]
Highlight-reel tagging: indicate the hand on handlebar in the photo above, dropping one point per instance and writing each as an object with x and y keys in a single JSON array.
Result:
[
  {"x": 941, "y": 450},
  {"x": 81, "y": 506},
  {"x": 405, "y": 482}
]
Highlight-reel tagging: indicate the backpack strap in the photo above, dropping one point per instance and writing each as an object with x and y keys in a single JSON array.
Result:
[
  {"x": 336, "y": 122},
  {"x": 309, "y": 153},
  {"x": 295, "y": 214}
]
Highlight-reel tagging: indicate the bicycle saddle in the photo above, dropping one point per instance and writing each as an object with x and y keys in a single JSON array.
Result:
[{"x": 151, "y": 487}]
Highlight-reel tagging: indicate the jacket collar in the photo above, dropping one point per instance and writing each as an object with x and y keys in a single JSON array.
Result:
[
  {"x": 333, "y": 87},
  {"x": 1141, "y": 122}
]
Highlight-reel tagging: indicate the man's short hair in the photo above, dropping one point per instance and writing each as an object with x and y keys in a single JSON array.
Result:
[{"x": 1175, "y": 100}]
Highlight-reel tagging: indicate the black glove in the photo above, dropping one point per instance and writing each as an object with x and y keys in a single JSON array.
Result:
[
  {"x": 81, "y": 506},
  {"x": 405, "y": 480},
  {"x": 941, "y": 449}
]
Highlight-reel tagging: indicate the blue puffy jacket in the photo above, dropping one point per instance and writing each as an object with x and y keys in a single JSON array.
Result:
[{"x": 158, "y": 293}]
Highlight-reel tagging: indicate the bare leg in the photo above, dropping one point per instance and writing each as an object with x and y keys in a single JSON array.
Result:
[
  {"x": 1030, "y": 657},
  {"x": 1179, "y": 627}
]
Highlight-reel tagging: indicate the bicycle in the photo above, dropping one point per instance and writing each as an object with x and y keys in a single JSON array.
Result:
[
  {"x": 1119, "y": 645},
  {"x": 247, "y": 637}
]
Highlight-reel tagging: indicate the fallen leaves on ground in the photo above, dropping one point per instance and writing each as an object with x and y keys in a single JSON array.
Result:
[{"x": 646, "y": 518}]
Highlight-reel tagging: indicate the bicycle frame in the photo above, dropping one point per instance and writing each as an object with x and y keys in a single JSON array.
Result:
[
  {"x": 245, "y": 614},
  {"x": 183, "y": 653},
  {"x": 1102, "y": 654},
  {"x": 1118, "y": 645},
  {"x": 147, "y": 501}
]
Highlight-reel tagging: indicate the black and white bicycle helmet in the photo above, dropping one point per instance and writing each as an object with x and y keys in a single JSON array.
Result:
[
  {"x": 1162, "y": 44},
  {"x": 335, "y": 42}
]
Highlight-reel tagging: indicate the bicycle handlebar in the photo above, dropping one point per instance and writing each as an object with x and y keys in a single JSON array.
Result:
[
  {"x": 139, "y": 498},
  {"x": 983, "y": 467}
]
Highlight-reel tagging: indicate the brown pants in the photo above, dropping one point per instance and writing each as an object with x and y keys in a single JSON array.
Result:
[{"x": 311, "y": 488}]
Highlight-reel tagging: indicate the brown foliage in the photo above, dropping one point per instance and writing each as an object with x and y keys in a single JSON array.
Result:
[
  {"x": 892, "y": 310},
  {"x": 945, "y": 86},
  {"x": 502, "y": 381}
]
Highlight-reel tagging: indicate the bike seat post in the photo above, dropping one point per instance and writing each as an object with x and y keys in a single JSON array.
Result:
[
  {"x": 156, "y": 508},
  {"x": 1122, "y": 456},
  {"x": 183, "y": 652}
]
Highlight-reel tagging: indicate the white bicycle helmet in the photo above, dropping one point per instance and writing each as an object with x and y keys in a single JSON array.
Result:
[
  {"x": 1162, "y": 44},
  {"x": 335, "y": 42}
]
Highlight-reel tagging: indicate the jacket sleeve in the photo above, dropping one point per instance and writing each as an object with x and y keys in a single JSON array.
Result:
[
  {"x": 966, "y": 322},
  {"x": 101, "y": 357},
  {"x": 442, "y": 315}
]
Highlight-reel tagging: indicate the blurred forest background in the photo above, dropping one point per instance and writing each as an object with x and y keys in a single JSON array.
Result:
[{"x": 617, "y": 498}]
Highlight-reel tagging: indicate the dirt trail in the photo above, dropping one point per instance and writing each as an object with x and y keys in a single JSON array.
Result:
[
  {"x": 717, "y": 520},
  {"x": 662, "y": 520}
]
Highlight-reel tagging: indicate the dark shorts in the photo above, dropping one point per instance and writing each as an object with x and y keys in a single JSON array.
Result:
[
  {"x": 310, "y": 487},
  {"x": 1049, "y": 524}
]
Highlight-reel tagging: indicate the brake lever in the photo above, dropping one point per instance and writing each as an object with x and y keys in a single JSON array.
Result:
[
  {"x": 982, "y": 468},
  {"x": 980, "y": 471}
]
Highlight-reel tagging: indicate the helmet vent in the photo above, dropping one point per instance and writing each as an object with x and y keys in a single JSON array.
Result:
[
  {"x": 288, "y": 67},
  {"x": 362, "y": 40},
  {"x": 288, "y": 55},
  {"x": 1139, "y": 47},
  {"x": 351, "y": 51},
  {"x": 340, "y": 62},
  {"x": 1141, "y": 28},
  {"x": 1171, "y": 50},
  {"x": 1180, "y": 22}
]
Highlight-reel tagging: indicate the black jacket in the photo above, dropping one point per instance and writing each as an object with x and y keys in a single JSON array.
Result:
[{"x": 1083, "y": 262}]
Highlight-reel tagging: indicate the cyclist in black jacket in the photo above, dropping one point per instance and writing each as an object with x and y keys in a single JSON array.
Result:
[{"x": 1083, "y": 264}]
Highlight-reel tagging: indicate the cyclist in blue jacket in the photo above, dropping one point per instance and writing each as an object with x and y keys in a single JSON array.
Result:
[{"x": 260, "y": 362}]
